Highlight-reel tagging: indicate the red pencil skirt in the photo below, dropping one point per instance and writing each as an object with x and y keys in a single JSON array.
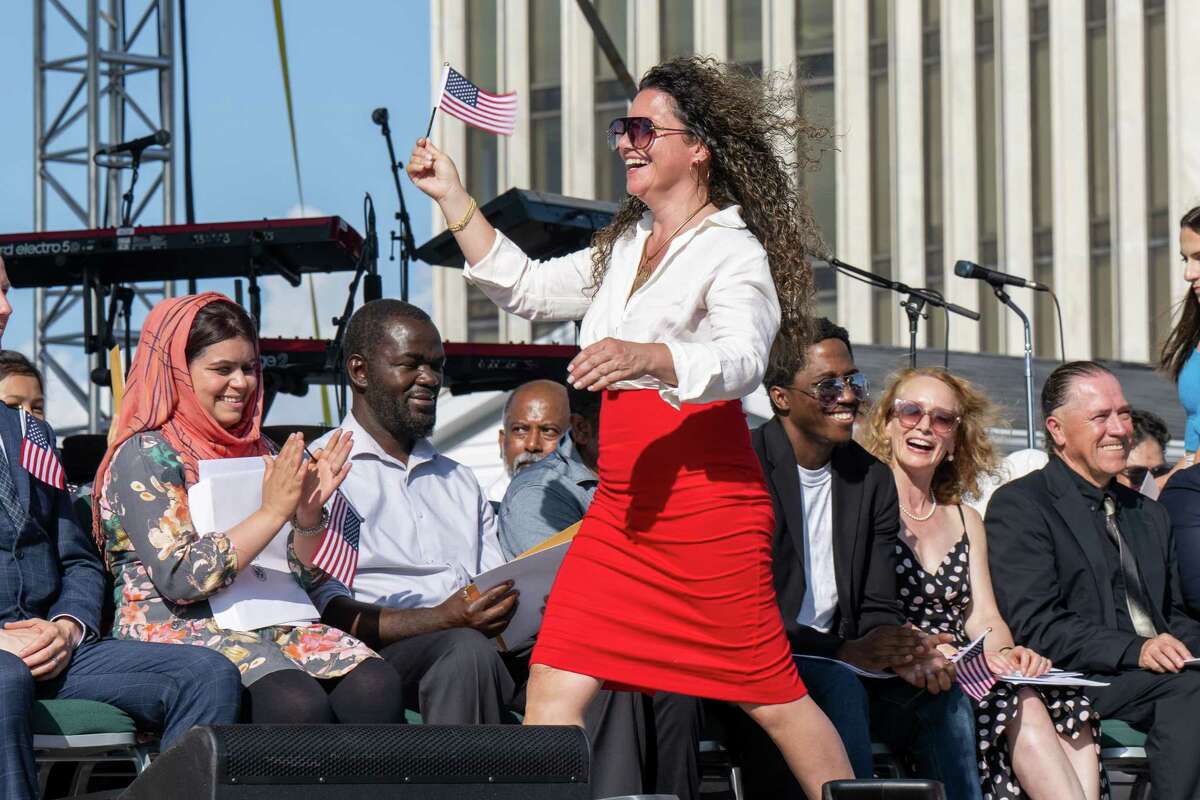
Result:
[{"x": 667, "y": 586}]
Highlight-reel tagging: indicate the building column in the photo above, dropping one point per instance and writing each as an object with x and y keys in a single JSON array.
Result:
[
  {"x": 1014, "y": 162},
  {"x": 1069, "y": 172},
  {"x": 1130, "y": 256},
  {"x": 711, "y": 29},
  {"x": 578, "y": 103},
  {"x": 779, "y": 35},
  {"x": 512, "y": 50},
  {"x": 448, "y": 42},
  {"x": 852, "y": 161},
  {"x": 643, "y": 34},
  {"x": 907, "y": 133},
  {"x": 1183, "y": 143},
  {"x": 960, "y": 166}
]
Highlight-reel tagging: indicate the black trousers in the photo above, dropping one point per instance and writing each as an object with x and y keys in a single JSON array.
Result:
[
  {"x": 639, "y": 744},
  {"x": 1167, "y": 709}
]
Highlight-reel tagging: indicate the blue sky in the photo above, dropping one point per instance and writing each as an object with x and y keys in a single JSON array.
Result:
[{"x": 345, "y": 58}]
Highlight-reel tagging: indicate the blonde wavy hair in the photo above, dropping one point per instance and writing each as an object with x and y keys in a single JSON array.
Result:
[
  {"x": 757, "y": 141},
  {"x": 974, "y": 454}
]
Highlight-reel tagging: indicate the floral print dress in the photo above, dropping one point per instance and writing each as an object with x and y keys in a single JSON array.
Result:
[
  {"x": 166, "y": 570},
  {"x": 940, "y": 602}
]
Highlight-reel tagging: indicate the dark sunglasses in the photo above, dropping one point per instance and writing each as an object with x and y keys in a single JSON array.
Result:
[
  {"x": 1137, "y": 475},
  {"x": 641, "y": 131},
  {"x": 828, "y": 392},
  {"x": 910, "y": 414}
]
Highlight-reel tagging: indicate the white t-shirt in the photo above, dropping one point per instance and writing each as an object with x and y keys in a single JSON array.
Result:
[{"x": 820, "y": 593}]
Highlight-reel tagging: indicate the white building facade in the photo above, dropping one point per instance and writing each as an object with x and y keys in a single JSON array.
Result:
[{"x": 1045, "y": 138}]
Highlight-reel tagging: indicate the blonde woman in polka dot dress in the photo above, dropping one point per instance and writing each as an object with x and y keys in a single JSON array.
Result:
[{"x": 931, "y": 427}]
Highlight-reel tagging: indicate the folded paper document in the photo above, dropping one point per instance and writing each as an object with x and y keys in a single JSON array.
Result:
[
  {"x": 532, "y": 574},
  {"x": 265, "y": 592}
]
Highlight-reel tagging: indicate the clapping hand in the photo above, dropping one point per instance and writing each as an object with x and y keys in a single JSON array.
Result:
[
  {"x": 323, "y": 475},
  {"x": 283, "y": 479}
]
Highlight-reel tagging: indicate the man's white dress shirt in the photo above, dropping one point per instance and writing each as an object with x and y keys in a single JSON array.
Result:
[
  {"x": 711, "y": 301},
  {"x": 427, "y": 529}
]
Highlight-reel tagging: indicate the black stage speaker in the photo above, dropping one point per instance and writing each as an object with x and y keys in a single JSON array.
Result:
[
  {"x": 322, "y": 762},
  {"x": 883, "y": 790}
]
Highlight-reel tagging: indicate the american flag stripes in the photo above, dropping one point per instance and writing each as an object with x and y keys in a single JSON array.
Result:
[
  {"x": 495, "y": 113},
  {"x": 337, "y": 555},
  {"x": 973, "y": 674},
  {"x": 37, "y": 455}
]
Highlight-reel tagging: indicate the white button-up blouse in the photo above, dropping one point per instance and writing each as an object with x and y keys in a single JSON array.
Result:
[{"x": 711, "y": 301}]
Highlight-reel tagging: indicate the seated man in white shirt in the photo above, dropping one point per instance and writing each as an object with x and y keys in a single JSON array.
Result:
[{"x": 426, "y": 529}]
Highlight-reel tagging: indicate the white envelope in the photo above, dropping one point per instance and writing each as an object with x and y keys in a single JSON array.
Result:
[{"x": 265, "y": 592}]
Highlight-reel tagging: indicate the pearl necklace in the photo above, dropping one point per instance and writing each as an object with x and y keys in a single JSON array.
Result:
[{"x": 913, "y": 516}]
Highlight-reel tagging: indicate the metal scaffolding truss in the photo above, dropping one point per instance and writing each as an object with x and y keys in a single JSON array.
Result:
[{"x": 104, "y": 72}]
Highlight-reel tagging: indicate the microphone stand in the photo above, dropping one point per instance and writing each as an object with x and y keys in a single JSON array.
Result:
[
  {"x": 1003, "y": 297},
  {"x": 372, "y": 290},
  {"x": 914, "y": 302},
  {"x": 405, "y": 237}
]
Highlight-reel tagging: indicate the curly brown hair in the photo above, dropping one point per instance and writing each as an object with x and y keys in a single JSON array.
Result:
[
  {"x": 974, "y": 454},
  {"x": 757, "y": 142}
]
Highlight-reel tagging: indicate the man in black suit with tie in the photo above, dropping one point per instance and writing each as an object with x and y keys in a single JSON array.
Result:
[
  {"x": 51, "y": 593},
  {"x": 834, "y": 560},
  {"x": 1084, "y": 571}
]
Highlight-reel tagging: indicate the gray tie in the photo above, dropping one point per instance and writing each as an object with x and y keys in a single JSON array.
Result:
[
  {"x": 8, "y": 494},
  {"x": 1135, "y": 594}
]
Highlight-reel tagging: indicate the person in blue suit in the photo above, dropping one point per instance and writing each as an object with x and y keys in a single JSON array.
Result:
[{"x": 51, "y": 594}]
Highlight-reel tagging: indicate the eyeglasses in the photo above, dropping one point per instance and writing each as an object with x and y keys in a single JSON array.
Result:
[
  {"x": 910, "y": 414},
  {"x": 641, "y": 131},
  {"x": 1137, "y": 475},
  {"x": 828, "y": 391}
]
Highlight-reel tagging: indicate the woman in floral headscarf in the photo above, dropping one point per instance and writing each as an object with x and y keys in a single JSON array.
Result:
[{"x": 195, "y": 393}]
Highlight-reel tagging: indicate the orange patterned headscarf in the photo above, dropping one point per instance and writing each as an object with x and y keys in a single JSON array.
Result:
[{"x": 159, "y": 396}]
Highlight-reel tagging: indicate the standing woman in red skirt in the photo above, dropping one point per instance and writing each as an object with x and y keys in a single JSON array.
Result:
[{"x": 667, "y": 586}]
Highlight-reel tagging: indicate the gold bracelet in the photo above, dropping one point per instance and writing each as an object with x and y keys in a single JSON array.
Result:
[{"x": 466, "y": 218}]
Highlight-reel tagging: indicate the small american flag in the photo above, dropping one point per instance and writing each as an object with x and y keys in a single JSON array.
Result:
[
  {"x": 37, "y": 455},
  {"x": 973, "y": 674},
  {"x": 495, "y": 113},
  {"x": 338, "y": 553}
]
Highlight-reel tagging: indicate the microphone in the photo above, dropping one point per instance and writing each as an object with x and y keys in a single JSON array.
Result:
[
  {"x": 160, "y": 138},
  {"x": 969, "y": 269},
  {"x": 379, "y": 116}
]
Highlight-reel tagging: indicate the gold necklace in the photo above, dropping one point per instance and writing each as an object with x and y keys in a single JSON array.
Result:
[{"x": 643, "y": 271}]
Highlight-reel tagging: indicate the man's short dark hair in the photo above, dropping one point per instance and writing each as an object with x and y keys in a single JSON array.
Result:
[
  {"x": 788, "y": 355},
  {"x": 365, "y": 328},
  {"x": 1148, "y": 425},
  {"x": 15, "y": 363},
  {"x": 584, "y": 403},
  {"x": 1057, "y": 388}
]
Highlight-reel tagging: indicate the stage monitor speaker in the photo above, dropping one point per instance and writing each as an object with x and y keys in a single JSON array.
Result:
[
  {"x": 883, "y": 790},
  {"x": 323, "y": 762}
]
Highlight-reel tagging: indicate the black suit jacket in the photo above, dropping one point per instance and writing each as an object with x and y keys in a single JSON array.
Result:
[
  {"x": 1181, "y": 498},
  {"x": 1051, "y": 576},
  {"x": 866, "y": 524},
  {"x": 48, "y": 567}
]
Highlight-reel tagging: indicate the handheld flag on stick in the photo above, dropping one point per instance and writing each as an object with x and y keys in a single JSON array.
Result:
[
  {"x": 494, "y": 113},
  {"x": 337, "y": 554},
  {"x": 973, "y": 674},
  {"x": 37, "y": 455}
]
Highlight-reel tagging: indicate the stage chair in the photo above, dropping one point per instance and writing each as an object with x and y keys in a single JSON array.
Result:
[
  {"x": 86, "y": 733},
  {"x": 1123, "y": 749}
]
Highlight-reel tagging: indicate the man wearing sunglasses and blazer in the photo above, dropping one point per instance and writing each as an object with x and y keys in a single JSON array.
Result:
[{"x": 836, "y": 528}]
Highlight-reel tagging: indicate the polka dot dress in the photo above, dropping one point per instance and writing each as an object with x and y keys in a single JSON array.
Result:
[{"x": 939, "y": 602}]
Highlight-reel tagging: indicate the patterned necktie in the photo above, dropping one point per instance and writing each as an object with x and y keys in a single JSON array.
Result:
[
  {"x": 1135, "y": 595},
  {"x": 8, "y": 493}
]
